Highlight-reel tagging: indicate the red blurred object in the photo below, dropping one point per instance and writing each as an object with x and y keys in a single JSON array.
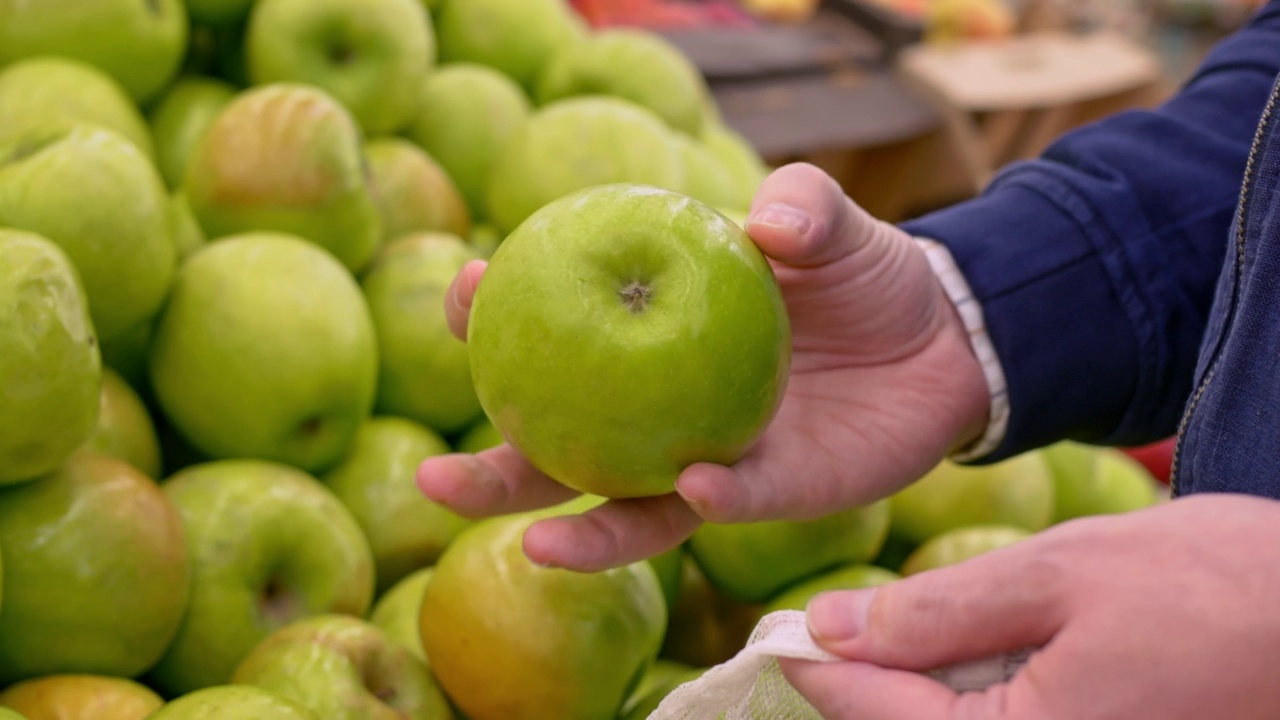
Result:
[
  {"x": 1156, "y": 457},
  {"x": 662, "y": 14}
]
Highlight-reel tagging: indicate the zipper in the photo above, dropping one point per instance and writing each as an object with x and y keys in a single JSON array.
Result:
[{"x": 1250, "y": 176}]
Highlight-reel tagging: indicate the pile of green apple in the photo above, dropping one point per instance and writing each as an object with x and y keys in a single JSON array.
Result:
[{"x": 226, "y": 232}]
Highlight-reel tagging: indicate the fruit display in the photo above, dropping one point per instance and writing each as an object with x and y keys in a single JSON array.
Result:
[{"x": 227, "y": 233}]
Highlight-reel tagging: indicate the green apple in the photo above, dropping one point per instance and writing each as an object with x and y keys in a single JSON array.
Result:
[
  {"x": 851, "y": 577},
  {"x": 286, "y": 158},
  {"x": 51, "y": 369},
  {"x": 1017, "y": 492},
  {"x": 517, "y": 37},
  {"x": 98, "y": 197},
  {"x": 482, "y": 436},
  {"x": 140, "y": 44},
  {"x": 53, "y": 94},
  {"x": 466, "y": 113},
  {"x": 269, "y": 545},
  {"x": 223, "y": 702},
  {"x": 706, "y": 627},
  {"x": 743, "y": 162},
  {"x": 220, "y": 13},
  {"x": 707, "y": 178},
  {"x": 632, "y": 64},
  {"x": 181, "y": 117},
  {"x": 625, "y": 332},
  {"x": 413, "y": 193},
  {"x": 266, "y": 350},
  {"x": 424, "y": 371},
  {"x": 81, "y": 697},
  {"x": 753, "y": 562},
  {"x": 183, "y": 227},
  {"x": 406, "y": 531},
  {"x": 96, "y": 574},
  {"x": 485, "y": 238},
  {"x": 396, "y": 611},
  {"x": 344, "y": 668},
  {"x": 663, "y": 677},
  {"x": 1091, "y": 480},
  {"x": 369, "y": 54},
  {"x": 125, "y": 430},
  {"x": 956, "y": 546},
  {"x": 510, "y": 639},
  {"x": 575, "y": 144}
]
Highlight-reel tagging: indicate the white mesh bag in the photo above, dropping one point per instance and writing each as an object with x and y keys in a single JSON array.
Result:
[{"x": 750, "y": 686}]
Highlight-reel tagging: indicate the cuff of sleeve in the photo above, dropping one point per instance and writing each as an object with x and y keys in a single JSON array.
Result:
[{"x": 970, "y": 311}]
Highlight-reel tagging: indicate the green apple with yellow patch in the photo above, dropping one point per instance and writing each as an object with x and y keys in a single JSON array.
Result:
[
  {"x": 413, "y": 193},
  {"x": 81, "y": 697}
]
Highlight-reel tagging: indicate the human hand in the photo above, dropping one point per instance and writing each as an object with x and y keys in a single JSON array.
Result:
[
  {"x": 883, "y": 384},
  {"x": 1167, "y": 613}
]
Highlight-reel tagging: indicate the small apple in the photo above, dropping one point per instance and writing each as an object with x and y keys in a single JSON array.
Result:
[
  {"x": 575, "y": 144},
  {"x": 482, "y": 436},
  {"x": 269, "y": 545},
  {"x": 51, "y": 369},
  {"x": 413, "y": 193},
  {"x": 745, "y": 165},
  {"x": 286, "y": 158},
  {"x": 371, "y": 55},
  {"x": 753, "y": 562},
  {"x": 658, "y": 682},
  {"x": 517, "y": 37},
  {"x": 1017, "y": 492},
  {"x": 406, "y": 531},
  {"x": 183, "y": 227},
  {"x": 125, "y": 430},
  {"x": 242, "y": 702},
  {"x": 508, "y": 639},
  {"x": 424, "y": 371},
  {"x": 1096, "y": 480},
  {"x": 850, "y": 577},
  {"x": 181, "y": 117},
  {"x": 955, "y": 546},
  {"x": 141, "y": 44},
  {"x": 466, "y": 113},
  {"x": 97, "y": 196},
  {"x": 396, "y": 611},
  {"x": 96, "y": 573},
  {"x": 265, "y": 350},
  {"x": 81, "y": 697},
  {"x": 344, "y": 668},
  {"x": 53, "y": 94},
  {"x": 625, "y": 332},
  {"x": 634, "y": 65}
]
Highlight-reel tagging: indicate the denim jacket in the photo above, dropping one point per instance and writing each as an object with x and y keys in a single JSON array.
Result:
[{"x": 1130, "y": 277}]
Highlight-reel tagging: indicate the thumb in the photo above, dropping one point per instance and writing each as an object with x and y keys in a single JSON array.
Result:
[
  {"x": 801, "y": 217},
  {"x": 1009, "y": 599}
]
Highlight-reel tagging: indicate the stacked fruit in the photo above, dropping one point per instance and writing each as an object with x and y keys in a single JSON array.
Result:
[{"x": 226, "y": 231}]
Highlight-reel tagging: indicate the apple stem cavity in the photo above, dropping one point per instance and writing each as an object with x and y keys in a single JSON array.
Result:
[
  {"x": 636, "y": 295},
  {"x": 280, "y": 606},
  {"x": 342, "y": 54}
]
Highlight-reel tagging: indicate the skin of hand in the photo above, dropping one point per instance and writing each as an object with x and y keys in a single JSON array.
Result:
[
  {"x": 1169, "y": 612},
  {"x": 884, "y": 384}
]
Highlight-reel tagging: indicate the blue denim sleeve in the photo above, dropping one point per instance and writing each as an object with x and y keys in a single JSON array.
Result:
[{"x": 1095, "y": 264}]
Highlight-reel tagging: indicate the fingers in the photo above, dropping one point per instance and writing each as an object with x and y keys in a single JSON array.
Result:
[
  {"x": 862, "y": 691},
  {"x": 801, "y": 217},
  {"x": 617, "y": 533},
  {"x": 457, "y": 300},
  {"x": 1005, "y": 600},
  {"x": 493, "y": 482}
]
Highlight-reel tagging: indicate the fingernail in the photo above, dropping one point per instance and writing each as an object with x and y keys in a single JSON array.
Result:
[
  {"x": 783, "y": 216},
  {"x": 839, "y": 616}
]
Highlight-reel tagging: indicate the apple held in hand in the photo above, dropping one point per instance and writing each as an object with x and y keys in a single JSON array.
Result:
[
  {"x": 232, "y": 701},
  {"x": 51, "y": 367},
  {"x": 625, "y": 332},
  {"x": 265, "y": 349},
  {"x": 371, "y": 55},
  {"x": 344, "y": 668},
  {"x": 81, "y": 697},
  {"x": 269, "y": 545}
]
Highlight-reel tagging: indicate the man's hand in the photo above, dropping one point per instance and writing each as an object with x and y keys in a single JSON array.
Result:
[
  {"x": 884, "y": 383},
  {"x": 1171, "y": 612}
]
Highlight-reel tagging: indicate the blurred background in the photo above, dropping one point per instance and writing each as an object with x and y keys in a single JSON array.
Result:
[{"x": 913, "y": 104}]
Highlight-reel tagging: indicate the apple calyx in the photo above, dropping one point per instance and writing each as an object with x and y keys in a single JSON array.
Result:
[
  {"x": 636, "y": 295},
  {"x": 280, "y": 605}
]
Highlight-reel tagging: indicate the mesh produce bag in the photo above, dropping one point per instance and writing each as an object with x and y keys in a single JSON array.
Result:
[{"x": 751, "y": 686}]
